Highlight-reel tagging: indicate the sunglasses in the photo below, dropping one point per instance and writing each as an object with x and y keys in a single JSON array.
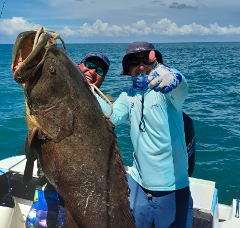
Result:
[
  {"x": 91, "y": 66},
  {"x": 135, "y": 61}
]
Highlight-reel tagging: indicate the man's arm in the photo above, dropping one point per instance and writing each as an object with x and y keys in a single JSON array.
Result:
[
  {"x": 109, "y": 97},
  {"x": 120, "y": 108},
  {"x": 104, "y": 105}
]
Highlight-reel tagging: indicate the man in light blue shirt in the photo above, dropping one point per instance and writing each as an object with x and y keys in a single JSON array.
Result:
[{"x": 159, "y": 185}]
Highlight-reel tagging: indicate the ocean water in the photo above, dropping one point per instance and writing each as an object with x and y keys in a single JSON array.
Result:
[{"x": 213, "y": 74}]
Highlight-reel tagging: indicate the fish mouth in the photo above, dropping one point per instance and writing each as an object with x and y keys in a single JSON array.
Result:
[
  {"x": 24, "y": 49},
  {"x": 27, "y": 59}
]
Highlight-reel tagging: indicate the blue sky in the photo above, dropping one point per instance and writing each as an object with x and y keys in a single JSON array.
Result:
[{"x": 124, "y": 21}]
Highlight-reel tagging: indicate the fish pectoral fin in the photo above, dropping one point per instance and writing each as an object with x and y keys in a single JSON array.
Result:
[
  {"x": 56, "y": 122},
  {"x": 32, "y": 148}
]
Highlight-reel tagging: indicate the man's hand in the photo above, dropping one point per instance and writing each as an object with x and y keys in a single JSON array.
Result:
[{"x": 162, "y": 78}]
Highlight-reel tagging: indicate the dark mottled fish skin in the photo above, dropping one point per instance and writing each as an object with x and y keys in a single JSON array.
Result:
[{"x": 75, "y": 142}]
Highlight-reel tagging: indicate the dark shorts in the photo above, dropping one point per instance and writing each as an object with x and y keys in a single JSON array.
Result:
[{"x": 164, "y": 208}]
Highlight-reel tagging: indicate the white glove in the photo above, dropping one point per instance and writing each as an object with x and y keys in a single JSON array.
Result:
[{"x": 163, "y": 79}]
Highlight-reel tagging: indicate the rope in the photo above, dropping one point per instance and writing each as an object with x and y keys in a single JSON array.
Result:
[
  {"x": 2, "y": 9},
  {"x": 93, "y": 87},
  {"x": 41, "y": 30}
]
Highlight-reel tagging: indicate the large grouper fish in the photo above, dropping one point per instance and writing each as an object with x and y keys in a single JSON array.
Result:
[{"x": 68, "y": 132}]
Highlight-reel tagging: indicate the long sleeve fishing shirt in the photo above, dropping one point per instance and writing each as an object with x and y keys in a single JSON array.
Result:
[{"x": 160, "y": 155}]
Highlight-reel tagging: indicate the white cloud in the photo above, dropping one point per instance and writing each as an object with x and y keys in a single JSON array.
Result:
[
  {"x": 217, "y": 30},
  {"x": 166, "y": 27},
  {"x": 140, "y": 24},
  {"x": 68, "y": 32},
  {"x": 98, "y": 28},
  {"x": 16, "y": 24},
  {"x": 163, "y": 27}
]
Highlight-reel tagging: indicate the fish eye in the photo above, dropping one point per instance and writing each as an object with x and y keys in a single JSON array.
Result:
[{"x": 52, "y": 70}]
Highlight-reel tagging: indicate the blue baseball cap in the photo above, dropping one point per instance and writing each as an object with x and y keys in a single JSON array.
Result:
[
  {"x": 137, "y": 47},
  {"x": 99, "y": 55}
]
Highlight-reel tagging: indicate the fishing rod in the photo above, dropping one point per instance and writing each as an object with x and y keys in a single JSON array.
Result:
[{"x": 2, "y": 9}]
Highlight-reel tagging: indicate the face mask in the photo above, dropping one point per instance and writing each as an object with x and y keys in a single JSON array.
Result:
[{"x": 140, "y": 82}]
